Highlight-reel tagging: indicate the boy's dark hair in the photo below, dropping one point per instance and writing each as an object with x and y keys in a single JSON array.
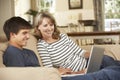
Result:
[{"x": 14, "y": 25}]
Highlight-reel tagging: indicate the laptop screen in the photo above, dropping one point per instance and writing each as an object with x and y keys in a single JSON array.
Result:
[{"x": 95, "y": 59}]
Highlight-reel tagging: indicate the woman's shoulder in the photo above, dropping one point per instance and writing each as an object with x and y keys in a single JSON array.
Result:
[
  {"x": 63, "y": 35},
  {"x": 42, "y": 43}
]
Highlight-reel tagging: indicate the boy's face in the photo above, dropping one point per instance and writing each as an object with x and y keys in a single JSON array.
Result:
[{"x": 20, "y": 39}]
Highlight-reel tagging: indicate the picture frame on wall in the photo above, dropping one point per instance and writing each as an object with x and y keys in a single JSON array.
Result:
[{"x": 75, "y": 4}]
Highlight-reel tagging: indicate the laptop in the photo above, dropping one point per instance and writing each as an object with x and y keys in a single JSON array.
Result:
[{"x": 94, "y": 62}]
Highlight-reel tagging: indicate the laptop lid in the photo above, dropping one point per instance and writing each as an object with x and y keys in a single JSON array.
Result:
[{"x": 95, "y": 59}]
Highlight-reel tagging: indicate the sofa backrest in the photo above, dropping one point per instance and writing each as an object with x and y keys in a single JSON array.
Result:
[
  {"x": 1, "y": 61},
  {"x": 3, "y": 46},
  {"x": 31, "y": 44}
]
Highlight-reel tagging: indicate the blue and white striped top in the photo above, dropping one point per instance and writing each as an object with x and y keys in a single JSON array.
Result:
[{"x": 64, "y": 52}]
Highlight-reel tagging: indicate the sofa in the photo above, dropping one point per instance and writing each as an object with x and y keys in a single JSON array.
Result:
[
  {"x": 25, "y": 73},
  {"x": 41, "y": 73}
]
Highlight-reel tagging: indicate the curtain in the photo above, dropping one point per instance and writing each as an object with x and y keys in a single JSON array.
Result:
[{"x": 99, "y": 14}]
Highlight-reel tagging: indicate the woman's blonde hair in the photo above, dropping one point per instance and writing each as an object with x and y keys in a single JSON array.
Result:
[{"x": 38, "y": 21}]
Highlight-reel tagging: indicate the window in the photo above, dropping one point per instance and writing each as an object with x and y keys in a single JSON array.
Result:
[
  {"x": 112, "y": 15},
  {"x": 46, "y": 5}
]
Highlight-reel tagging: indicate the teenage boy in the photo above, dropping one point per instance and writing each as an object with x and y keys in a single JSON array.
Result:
[{"x": 17, "y": 31}]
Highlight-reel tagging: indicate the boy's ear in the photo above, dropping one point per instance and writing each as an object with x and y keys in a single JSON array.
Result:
[{"x": 12, "y": 34}]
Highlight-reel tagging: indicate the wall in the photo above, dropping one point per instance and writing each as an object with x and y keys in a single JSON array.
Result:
[
  {"x": 9, "y": 8},
  {"x": 64, "y": 15},
  {"x": 21, "y": 7},
  {"x": 6, "y": 11}
]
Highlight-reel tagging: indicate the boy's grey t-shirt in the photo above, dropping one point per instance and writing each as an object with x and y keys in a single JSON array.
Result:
[{"x": 14, "y": 57}]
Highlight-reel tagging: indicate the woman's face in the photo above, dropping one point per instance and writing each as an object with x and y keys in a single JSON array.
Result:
[{"x": 46, "y": 28}]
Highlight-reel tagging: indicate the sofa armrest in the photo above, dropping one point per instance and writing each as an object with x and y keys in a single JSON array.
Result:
[{"x": 29, "y": 73}]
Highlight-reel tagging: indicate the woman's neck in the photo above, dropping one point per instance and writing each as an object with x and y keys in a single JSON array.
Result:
[{"x": 50, "y": 40}]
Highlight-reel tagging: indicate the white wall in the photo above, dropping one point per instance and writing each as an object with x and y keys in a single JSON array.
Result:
[
  {"x": 6, "y": 11},
  {"x": 64, "y": 15},
  {"x": 21, "y": 7}
]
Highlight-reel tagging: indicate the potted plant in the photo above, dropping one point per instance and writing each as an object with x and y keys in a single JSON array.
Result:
[{"x": 32, "y": 14}]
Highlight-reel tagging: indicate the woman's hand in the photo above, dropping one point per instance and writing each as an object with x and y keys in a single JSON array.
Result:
[
  {"x": 64, "y": 70},
  {"x": 87, "y": 54},
  {"x": 79, "y": 72}
]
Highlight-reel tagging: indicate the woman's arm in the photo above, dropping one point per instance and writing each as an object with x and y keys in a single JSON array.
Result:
[
  {"x": 45, "y": 56},
  {"x": 64, "y": 71},
  {"x": 87, "y": 54}
]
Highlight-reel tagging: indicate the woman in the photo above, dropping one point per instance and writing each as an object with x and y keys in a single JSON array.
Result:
[{"x": 58, "y": 50}]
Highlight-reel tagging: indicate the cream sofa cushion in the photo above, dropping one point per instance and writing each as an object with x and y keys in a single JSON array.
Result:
[
  {"x": 1, "y": 60},
  {"x": 3, "y": 46},
  {"x": 29, "y": 73},
  {"x": 3, "y": 38},
  {"x": 113, "y": 51}
]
